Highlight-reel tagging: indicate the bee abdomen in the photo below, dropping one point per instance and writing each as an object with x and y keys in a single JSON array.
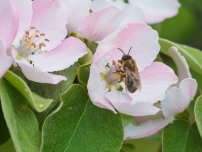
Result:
[
  {"x": 131, "y": 83},
  {"x": 132, "y": 89}
]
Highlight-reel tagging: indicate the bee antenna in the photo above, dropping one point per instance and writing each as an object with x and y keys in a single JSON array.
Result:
[
  {"x": 121, "y": 50},
  {"x": 130, "y": 50}
]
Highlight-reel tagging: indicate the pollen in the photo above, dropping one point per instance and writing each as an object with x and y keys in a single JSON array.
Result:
[
  {"x": 33, "y": 42},
  {"x": 112, "y": 76}
]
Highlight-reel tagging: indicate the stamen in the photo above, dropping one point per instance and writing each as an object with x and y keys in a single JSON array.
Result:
[
  {"x": 113, "y": 76},
  {"x": 32, "y": 42}
]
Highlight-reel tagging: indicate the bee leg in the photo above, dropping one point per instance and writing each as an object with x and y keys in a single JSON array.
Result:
[
  {"x": 113, "y": 62},
  {"x": 120, "y": 72},
  {"x": 126, "y": 88}
]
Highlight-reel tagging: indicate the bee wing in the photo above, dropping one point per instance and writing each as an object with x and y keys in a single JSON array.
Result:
[{"x": 132, "y": 81}]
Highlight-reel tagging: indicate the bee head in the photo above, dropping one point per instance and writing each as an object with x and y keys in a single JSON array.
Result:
[{"x": 126, "y": 57}]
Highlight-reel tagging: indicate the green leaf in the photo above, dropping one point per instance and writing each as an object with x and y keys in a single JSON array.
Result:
[
  {"x": 174, "y": 136},
  {"x": 194, "y": 141},
  {"x": 142, "y": 145},
  {"x": 127, "y": 147},
  {"x": 38, "y": 103},
  {"x": 21, "y": 121},
  {"x": 86, "y": 59},
  {"x": 80, "y": 126},
  {"x": 181, "y": 137},
  {"x": 4, "y": 134},
  {"x": 52, "y": 91},
  {"x": 192, "y": 55},
  {"x": 198, "y": 113},
  {"x": 83, "y": 74},
  {"x": 7, "y": 147},
  {"x": 198, "y": 79}
]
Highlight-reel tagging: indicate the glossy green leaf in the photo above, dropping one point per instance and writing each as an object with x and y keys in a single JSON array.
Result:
[
  {"x": 198, "y": 113},
  {"x": 86, "y": 59},
  {"x": 4, "y": 133},
  {"x": 7, "y": 147},
  {"x": 142, "y": 145},
  {"x": 21, "y": 121},
  {"x": 91, "y": 45},
  {"x": 192, "y": 55},
  {"x": 80, "y": 126},
  {"x": 198, "y": 78},
  {"x": 53, "y": 91},
  {"x": 181, "y": 137},
  {"x": 174, "y": 136},
  {"x": 83, "y": 74},
  {"x": 194, "y": 141},
  {"x": 38, "y": 103}
]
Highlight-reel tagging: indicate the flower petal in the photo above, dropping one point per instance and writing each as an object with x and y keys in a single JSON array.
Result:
[
  {"x": 142, "y": 38},
  {"x": 76, "y": 11},
  {"x": 99, "y": 24},
  {"x": 157, "y": 10},
  {"x": 48, "y": 18},
  {"x": 5, "y": 61},
  {"x": 97, "y": 5},
  {"x": 97, "y": 89},
  {"x": 62, "y": 57},
  {"x": 39, "y": 76},
  {"x": 182, "y": 66},
  {"x": 155, "y": 80},
  {"x": 24, "y": 9},
  {"x": 9, "y": 22},
  {"x": 130, "y": 13},
  {"x": 122, "y": 102},
  {"x": 145, "y": 129},
  {"x": 178, "y": 99}
]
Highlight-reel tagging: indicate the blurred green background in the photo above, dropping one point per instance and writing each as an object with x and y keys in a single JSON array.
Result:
[{"x": 186, "y": 27}]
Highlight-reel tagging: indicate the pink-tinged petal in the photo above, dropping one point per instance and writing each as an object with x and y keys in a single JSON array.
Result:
[
  {"x": 131, "y": 14},
  {"x": 155, "y": 80},
  {"x": 142, "y": 38},
  {"x": 5, "y": 61},
  {"x": 97, "y": 89},
  {"x": 48, "y": 18},
  {"x": 178, "y": 99},
  {"x": 24, "y": 9},
  {"x": 76, "y": 11},
  {"x": 40, "y": 76},
  {"x": 97, "y": 5},
  {"x": 122, "y": 102},
  {"x": 9, "y": 22},
  {"x": 157, "y": 10},
  {"x": 99, "y": 24},
  {"x": 105, "y": 46},
  {"x": 145, "y": 129},
  {"x": 62, "y": 57},
  {"x": 182, "y": 66}
]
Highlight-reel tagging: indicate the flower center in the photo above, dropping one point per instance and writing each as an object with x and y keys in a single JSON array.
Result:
[
  {"x": 32, "y": 42},
  {"x": 112, "y": 77}
]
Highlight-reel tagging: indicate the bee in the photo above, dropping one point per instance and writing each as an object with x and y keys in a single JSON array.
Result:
[{"x": 129, "y": 70}]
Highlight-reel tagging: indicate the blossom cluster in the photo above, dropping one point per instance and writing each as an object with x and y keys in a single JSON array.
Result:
[{"x": 43, "y": 36}]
